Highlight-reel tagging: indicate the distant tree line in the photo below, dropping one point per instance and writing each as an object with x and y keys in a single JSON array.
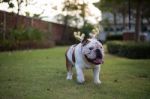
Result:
[{"x": 137, "y": 8}]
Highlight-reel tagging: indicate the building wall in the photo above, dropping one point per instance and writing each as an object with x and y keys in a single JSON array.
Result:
[{"x": 55, "y": 31}]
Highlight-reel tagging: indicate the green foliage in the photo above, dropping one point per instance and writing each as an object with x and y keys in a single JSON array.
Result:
[
  {"x": 29, "y": 38},
  {"x": 87, "y": 28},
  {"x": 112, "y": 5},
  {"x": 11, "y": 5},
  {"x": 11, "y": 45},
  {"x": 6, "y": 45},
  {"x": 9, "y": 2},
  {"x": 21, "y": 34},
  {"x": 105, "y": 23},
  {"x": 70, "y": 6},
  {"x": 129, "y": 49}
]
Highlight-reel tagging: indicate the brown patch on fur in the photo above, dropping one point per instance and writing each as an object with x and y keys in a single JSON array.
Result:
[
  {"x": 67, "y": 61},
  {"x": 73, "y": 55},
  {"x": 85, "y": 42},
  {"x": 68, "y": 64}
]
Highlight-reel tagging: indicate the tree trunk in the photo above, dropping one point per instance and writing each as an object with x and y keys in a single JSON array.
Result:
[
  {"x": 83, "y": 13},
  {"x": 129, "y": 12},
  {"x": 115, "y": 22},
  {"x": 64, "y": 35},
  {"x": 124, "y": 20},
  {"x": 148, "y": 21},
  {"x": 17, "y": 15},
  {"x": 16, "y": 21},
  {"x": 4, "y": 27},
  {"x": 138, "y": 21}
]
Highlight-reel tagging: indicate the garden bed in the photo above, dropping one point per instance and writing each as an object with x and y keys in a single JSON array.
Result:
[
  {"x": 26, "y": 38},
  {"x": 9, "y": 45}
]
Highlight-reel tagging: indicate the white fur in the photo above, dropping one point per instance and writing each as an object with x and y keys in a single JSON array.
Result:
[{"x": 81, "y": 63}]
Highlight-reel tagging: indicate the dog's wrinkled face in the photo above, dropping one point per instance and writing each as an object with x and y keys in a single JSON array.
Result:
[{"x": 93, "y": 51}]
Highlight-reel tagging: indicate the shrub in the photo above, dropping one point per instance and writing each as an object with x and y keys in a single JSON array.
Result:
[
  {"x": 129, "y": 49},
  {"x": 87, "y": 28},
  {"x": 21, "y": 34},
  {"x": 10, "y": 45},
  {"x": 5, "y": 44},
  {"x": 113, "y": 47},
  {"x": 26, "y": 38}
]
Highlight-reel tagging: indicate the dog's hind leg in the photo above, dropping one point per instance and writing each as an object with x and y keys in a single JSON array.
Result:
[{"x": 69, "y": 69}]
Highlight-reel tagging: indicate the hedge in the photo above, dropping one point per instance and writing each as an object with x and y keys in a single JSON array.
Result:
[
  {"x": 132, "y": 50},
  {"x": 26, "y": 38}
]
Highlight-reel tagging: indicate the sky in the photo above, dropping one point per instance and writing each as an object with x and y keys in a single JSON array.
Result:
[{"x": 50, "y": 8}]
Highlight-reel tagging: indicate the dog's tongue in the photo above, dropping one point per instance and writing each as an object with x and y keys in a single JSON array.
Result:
[{"x": 98, "y": 61}]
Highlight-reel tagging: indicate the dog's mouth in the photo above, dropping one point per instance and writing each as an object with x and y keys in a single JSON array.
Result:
[
  {"x": 98, "y": 61},
  {"x": 95, "y": 61}
]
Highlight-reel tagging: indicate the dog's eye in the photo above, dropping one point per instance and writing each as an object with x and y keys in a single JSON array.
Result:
[{"x": 91, "y": 48}]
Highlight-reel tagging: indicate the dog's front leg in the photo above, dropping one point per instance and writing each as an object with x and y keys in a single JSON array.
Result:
[
  {"x": 96, "y": 72},
  {"x": 80, "y": 75}
]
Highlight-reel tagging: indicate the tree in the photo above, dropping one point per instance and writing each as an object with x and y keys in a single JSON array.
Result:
[
  {"x": 72, "y": 11},
  {"x": 146, "y": 13},
  {"x": 11, "y": 5},
  {"x": 19, "y": 4},
  {"x": 9, "y": 2},
  {"x": 76, "y": 12},
  {"x": 138, "y": 20},
  {"x": 119, "y": 6},
  {"x": 115, "y": 7},
  {"x": 142, "y": 10}
]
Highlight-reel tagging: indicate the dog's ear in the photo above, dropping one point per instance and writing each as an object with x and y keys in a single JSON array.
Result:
[
  {"x": 85, "y": 41},
  {"x": 101, "y": 42}
]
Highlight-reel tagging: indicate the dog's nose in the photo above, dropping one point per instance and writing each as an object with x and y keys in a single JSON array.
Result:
[{"x": 98, "y": 53}]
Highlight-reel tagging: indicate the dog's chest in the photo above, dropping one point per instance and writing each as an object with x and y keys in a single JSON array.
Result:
[{"x": 88, "y": 66}]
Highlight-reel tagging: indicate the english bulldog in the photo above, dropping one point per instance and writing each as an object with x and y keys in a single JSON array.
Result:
[{"x": 88, "y": 54}]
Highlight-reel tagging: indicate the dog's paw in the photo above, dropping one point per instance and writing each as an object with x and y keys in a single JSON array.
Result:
[
  {"x": 80, "y": 80},
  {"x": 80, "y": 83},
  {"x": 69, "y": 76},
  {"x": 97, "y": 82}
]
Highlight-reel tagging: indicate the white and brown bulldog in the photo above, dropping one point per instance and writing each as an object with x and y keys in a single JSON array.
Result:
[{"x": 89, "y": 53}]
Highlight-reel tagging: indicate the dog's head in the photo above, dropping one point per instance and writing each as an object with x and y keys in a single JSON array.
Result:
[{"x": 92, "y": 49}]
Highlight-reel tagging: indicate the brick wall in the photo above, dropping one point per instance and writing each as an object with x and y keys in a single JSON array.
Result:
[{"x": 55, "y": 30}]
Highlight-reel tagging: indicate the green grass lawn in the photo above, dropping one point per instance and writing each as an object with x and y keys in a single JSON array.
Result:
[{"x": 41, "y": 74}]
